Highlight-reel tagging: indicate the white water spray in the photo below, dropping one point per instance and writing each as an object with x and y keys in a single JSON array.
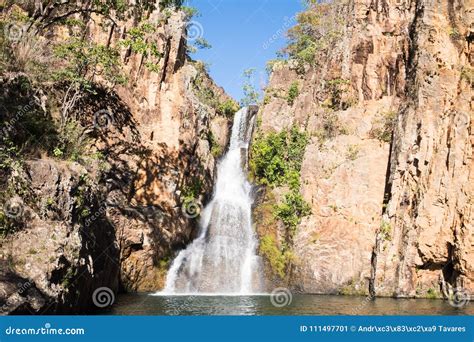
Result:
[{"x": 223, "y": 260}]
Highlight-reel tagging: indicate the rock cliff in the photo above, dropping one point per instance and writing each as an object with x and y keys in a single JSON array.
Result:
[
  {"x": 106, "y": 199},
  {"x": 383, "y": 91}
]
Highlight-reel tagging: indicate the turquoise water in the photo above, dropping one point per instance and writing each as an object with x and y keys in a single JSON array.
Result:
[{"x": 144, "y": 304}]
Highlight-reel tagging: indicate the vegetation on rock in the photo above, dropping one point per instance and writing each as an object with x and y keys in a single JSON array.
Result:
[
  {"x": 293, "y": 93},
  {"x": 383, "y": 126},
  {"x": 316, "y": 31},
  {"x": 279, "y": 258},
  {"x": 276, "y": 160},
  {"x": 292, "y": 210},
  {"x": 277, "y": 157},
  {"x": 251, "y": 95}
]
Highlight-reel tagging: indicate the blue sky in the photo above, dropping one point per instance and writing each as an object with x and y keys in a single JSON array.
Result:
[{"x": 243, "y": 34}]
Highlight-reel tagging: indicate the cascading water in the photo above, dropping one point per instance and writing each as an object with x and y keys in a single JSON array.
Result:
[{"x": 223, "y": 260}]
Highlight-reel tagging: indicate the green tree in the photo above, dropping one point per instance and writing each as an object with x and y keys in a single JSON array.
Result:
[
  {"x": 251, "y": 95},
  {"x": 318, "y": 28}
]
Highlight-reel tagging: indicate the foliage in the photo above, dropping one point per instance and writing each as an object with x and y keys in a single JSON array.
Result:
[
  {"x": 352, "y": 288},
  {"x": 5, "y": 225},
  {"x": 30, "y": 55},
  {"x": 8, "y": 155},
  {"x": 292, "y": 210},
  {"x": 205, "y": 92},
  {"x": 251, "y": 95},
  {"x": 86, "y": 60},
  {"x": 138, "y": 40},
  {"x": 277, "y": 157},
  {"x": 202, "y": 43},
  {"x": 190, "y": 12},
  {"x": 432, "y": 294},
  {"x": 268, "y": 162},
  {"x": 336, "y": 88},
  {"x": 279, "y": 259},
  {"x": 73, "y": 143},
  {"x": 276, "y": 160},
  {"x": 190, "y": 192},
  {"x": 383, "y": 126},
  {"x": 106, "y": 7},
  {"x": 385, "y": 230},
  {"x": 24, "y": 125},
  {"x": 352, "y": 152},
  {"x": 57, "y": 152},
  {"x": 171, "y": 3},
  {"x": 81, "y": 194},
  {"x": 272, "y": 63},
  {"x": 293, "y": 93},
  {"x": 228, "y": 108},
  {"x": 330, "y": 127},
  {"x": 198, "y": 44},
  {"x": 216, "y": 149},
  {"x": 317, "y": 30},
  {"x": 74, "y": 60},
  {"x": 454, "y": 33},
  {"x": 467, "y": 73}
]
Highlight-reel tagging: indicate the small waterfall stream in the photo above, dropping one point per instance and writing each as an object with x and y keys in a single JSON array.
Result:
[{"x": 223, "y": 259}]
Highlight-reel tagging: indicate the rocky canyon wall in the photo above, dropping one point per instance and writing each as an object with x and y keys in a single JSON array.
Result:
[
  {"x": 114, "y": 215},
  {"x": 387, "y": 171}
]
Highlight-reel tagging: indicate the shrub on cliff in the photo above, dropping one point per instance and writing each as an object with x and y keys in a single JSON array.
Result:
[
  {"x": 138, "y": 40},
  {"x": 277, "y": 157},
  {"x": 171, "y": 3},
  {"x": 251, "y": 95},
  {"x": 331, "y": 127},
  {"x": 337, "y": 90},
  {"x": 228, "y": 108},
  {"x": 293, "y": 93},
  {"x": 292, "y": 210},
  {"x": 276, "y": 161},
  {"x": 317, "y": 30},
  {"x": 383, "y": 125}
]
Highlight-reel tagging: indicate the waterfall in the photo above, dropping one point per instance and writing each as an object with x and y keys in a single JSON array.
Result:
[{"x": 223, "y": 259}]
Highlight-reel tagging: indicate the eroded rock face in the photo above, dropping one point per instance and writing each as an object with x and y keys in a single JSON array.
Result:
[
  {"x": 411, "y": 193},
  {"x": 173, "y": 129},
  {"x": 430, "y": 187},
  {"x": 158, "y": 141},
  {"x": 58, "y": 256}
]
